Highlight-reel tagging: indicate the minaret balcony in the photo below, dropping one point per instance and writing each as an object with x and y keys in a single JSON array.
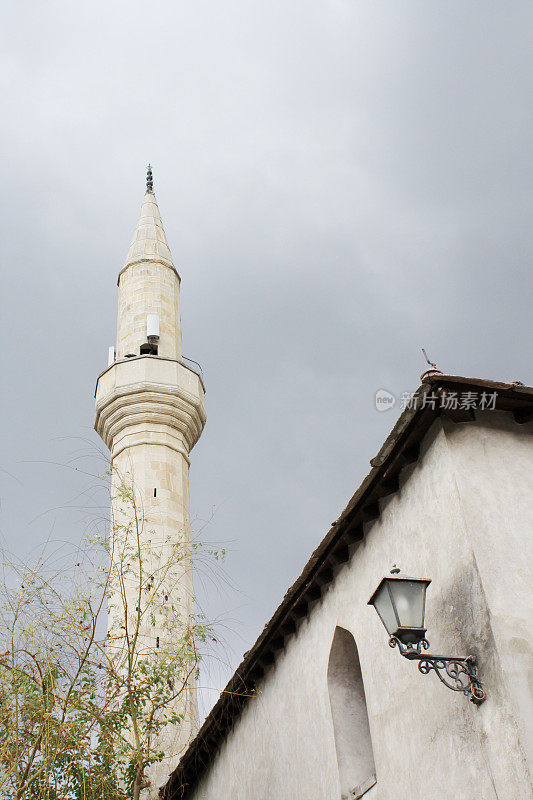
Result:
[{"x": 149, "y": 400}]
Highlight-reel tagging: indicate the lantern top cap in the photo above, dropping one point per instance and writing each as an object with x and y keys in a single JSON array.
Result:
[{"x": 392, "y": 578}]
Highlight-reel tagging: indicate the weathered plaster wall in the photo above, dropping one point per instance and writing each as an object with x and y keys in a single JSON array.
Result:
[
  {"x": 428, "y": 742},
  {"x": 496, "y": 500}
]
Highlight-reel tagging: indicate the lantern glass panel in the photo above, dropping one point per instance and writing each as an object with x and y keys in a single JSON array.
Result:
[
  {"x": 383, "y": 604},
  {"x": 410, "y": 600}
]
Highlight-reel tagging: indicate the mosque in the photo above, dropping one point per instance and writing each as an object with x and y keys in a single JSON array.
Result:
[{"x": 430, "y": 697}]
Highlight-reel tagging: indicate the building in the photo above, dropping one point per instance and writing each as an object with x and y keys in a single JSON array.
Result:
[
  {"x": 150, "y": 412},
  {"x": 321, "y": 708}
]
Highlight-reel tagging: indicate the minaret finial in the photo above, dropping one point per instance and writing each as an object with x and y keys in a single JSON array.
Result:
[{"x": 149, "y": 179}]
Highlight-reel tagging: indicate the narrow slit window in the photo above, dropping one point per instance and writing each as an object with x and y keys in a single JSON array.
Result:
[
  {"x": 157, "y": 641},
  {"x": 355, "y": 758},
  {"x": 155, "y": 492}
]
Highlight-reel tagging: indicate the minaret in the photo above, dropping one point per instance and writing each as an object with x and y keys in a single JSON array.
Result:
[{"x": 150, "y": 413}]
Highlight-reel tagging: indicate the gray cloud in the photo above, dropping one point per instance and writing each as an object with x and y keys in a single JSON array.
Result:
[{"x": 341, "y": 183}]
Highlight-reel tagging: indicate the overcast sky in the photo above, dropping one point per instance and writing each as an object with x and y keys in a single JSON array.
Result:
[{"x": 341, "y": 183}]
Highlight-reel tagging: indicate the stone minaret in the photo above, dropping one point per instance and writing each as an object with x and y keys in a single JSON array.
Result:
[{"x": 150, "y": 412}]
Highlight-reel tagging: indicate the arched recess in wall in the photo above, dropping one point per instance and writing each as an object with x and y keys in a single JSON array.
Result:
[{"x": 355, "y": 757}]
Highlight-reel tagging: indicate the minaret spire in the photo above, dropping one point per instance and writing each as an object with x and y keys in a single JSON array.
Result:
[
  {"x": 149, "y": 241},
  {"x": 149, "y": 179}
]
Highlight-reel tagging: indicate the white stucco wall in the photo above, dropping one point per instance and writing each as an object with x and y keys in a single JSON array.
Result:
[
  {"x": 497, "y": 503},
  {"x": 462, "y": 517}
]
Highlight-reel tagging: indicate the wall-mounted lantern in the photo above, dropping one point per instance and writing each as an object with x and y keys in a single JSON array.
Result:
[{"x": 401, "y": 604}]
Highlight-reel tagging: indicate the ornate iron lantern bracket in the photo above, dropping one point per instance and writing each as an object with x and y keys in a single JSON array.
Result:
[{"x": 458, "y": 674}]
